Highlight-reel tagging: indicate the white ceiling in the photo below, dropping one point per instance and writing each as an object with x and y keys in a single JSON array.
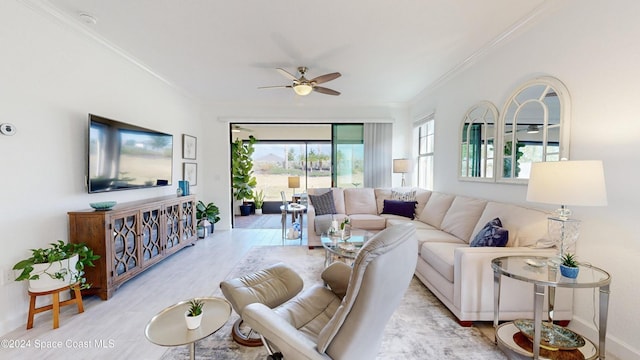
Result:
[{"x": 221, "y": 51}]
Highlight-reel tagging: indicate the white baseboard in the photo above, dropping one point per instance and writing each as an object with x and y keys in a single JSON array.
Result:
[{"x": 616, "y": 348}]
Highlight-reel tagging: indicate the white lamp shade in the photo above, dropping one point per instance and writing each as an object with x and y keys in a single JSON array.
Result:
[
  {"x": 294, "y": 182},
  {"x": 576, "y": 183},
  {"x": 401, "y": 165}
]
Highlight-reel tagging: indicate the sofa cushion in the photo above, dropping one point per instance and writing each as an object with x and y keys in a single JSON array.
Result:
[
  {"x": 323, "y": 203},
  {"x": 492, "y": 234},
  {"x": 368, "y": 221},
  {"x": 440, "y": 256},
  {"x": 436, "y": 208},
  {"x": 462, "y": 216},
  {"x": 526, "y": 226},
  {"x": 422, "y": 196},
  {"x": 401, "y": 208},
  {"x": 360, "y": 201}
]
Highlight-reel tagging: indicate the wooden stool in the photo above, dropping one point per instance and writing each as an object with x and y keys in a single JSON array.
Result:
[{"x": 55, "y": 303}]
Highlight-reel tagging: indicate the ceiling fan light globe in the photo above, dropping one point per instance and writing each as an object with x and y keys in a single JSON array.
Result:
[{"x": 303, "y": 89}]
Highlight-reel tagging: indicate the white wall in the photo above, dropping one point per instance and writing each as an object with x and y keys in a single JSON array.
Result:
[
  {"x": 591, "y": 46},
  {"x": 52, "y": 77}
]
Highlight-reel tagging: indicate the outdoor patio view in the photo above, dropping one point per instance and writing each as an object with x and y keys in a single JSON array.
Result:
[{"x": 275, "y": 162}]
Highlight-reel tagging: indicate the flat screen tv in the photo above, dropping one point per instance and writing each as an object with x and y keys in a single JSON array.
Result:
[{"x": 124, "y": 156}]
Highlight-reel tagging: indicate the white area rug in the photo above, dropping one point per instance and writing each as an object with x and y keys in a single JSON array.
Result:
[{"x": 421, "y": 327}]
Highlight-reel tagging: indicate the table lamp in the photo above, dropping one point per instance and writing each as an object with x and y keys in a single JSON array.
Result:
[
  {"x": 575, "y": 183},
  {"x": 294, "y": 183},
  {"x": 401, "y": 166}
]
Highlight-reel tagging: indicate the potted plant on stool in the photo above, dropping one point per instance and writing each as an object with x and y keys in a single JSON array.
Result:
[
  {"x": 59, "y": 265},
  {"x": 193, "y": 316},
  {"x": 569, "y": 266}
]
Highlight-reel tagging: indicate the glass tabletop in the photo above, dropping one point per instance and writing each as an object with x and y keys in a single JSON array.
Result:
[
  {"x": 345, "y": 248},
  {"x": 168, "y": 327},
  {"x": 541, "y": 270}
]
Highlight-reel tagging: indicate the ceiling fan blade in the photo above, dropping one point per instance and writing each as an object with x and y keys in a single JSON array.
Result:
[
  {"x": 286, "y": 74},
  {"x": 275, "y": 87},
  {"x": 326, "y": 77},
  {"x": 324, "y": 90}
]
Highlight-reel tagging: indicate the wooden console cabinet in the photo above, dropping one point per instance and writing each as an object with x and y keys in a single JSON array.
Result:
[{"x": 131, "y": 237}]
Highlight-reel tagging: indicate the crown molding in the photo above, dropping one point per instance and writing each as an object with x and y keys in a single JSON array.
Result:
[
  {"x": 518, "y": 27},
  {"x": 46, "y": 9}
]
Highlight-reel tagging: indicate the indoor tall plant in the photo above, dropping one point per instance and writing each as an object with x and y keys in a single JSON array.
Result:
[
  {"x": 59, "y": 265},
  {"x": 242, "y": 170}
]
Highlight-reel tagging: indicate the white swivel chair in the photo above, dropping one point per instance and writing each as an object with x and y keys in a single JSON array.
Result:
[{"x": 346, "y": 318}]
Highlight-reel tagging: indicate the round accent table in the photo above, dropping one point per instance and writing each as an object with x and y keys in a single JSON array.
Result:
[
  {"x": 297, "y": 212},
  {"x": 541, "y": 272},
  {"x": 168, "y": 327}
]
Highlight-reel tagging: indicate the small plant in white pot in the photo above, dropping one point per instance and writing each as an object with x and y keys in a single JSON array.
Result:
[
  {"x": 59, "y": 265},
  {"x": 569, "y": 266},
  {"x": 258, "y": 201},
  {"x": 193, "y": 316}
]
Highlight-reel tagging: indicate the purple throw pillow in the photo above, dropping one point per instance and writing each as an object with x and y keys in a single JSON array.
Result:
[{"x": 401, "y": 208}]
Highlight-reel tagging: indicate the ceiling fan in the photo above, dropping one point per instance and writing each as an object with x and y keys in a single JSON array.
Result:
[{"x": 302, "y": 86}]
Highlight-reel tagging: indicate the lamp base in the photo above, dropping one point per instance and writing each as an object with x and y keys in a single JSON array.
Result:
[{"x": 564, "y": 232}]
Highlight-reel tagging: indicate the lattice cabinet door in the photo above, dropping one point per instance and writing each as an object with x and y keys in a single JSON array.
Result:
[
  {"x": 126, "y": 250},
  {"x": 172, "y": 226},
  {"x": 151, "y": 235},
  {"x": 188, "y": 221}
]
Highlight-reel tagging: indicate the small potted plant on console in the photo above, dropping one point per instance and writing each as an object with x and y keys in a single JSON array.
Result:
[
  {"x": 193, "y": 316},
  {"x": 569, "y": 266}
]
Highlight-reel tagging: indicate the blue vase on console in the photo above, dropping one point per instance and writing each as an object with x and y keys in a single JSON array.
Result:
[{"x": 184, "y": 186}]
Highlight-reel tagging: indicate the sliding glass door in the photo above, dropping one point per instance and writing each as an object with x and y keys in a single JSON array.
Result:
[{"x": 348, "y": 155}]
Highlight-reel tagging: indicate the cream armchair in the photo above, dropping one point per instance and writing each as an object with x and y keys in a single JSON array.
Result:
[{"x": 346, "y": 318}]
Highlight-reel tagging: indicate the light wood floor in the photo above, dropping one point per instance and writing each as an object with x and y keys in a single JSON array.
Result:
[{"x": 118, "y": 324}]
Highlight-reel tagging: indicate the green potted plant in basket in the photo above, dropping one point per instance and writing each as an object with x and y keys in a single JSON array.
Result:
[
  {"x": 59, "y": 265},
  {"x": 569, "y": 266},
  {"x": 193, "y": 316}
]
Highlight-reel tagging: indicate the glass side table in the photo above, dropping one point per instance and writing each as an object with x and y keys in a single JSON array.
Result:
[
  {"x": 537, "y": 270},
  {"x": 297, "y": 212}
]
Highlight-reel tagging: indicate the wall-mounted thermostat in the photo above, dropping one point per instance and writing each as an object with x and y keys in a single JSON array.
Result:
[{"x": 7, "y": 129}]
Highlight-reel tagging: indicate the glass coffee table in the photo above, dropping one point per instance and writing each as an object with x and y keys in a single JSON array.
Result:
[
  {"x": 343, "y": 250},
  {"x": 168, "y": 327}
]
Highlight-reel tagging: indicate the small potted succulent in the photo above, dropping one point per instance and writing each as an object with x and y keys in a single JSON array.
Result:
[
  {"x": 193, "y": 316},
  {"x": 569, "y": 266}
]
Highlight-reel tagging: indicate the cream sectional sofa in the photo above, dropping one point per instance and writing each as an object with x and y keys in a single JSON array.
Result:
[{"x": 458, "y": 274}]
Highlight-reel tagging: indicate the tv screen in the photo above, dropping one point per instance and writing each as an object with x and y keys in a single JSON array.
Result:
[{"x": 124, "y": 156}]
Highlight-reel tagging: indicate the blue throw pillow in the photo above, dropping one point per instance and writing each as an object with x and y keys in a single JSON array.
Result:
[
  {"x": 401, "y": 208},
  {"x": 492, "y": 234},
  {"x": 323, "y": 203}
]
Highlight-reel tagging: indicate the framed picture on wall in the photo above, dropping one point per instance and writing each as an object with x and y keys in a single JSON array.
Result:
[
  {"x": 189, "y": 147},
  {"x": 190, "y": 173}
]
